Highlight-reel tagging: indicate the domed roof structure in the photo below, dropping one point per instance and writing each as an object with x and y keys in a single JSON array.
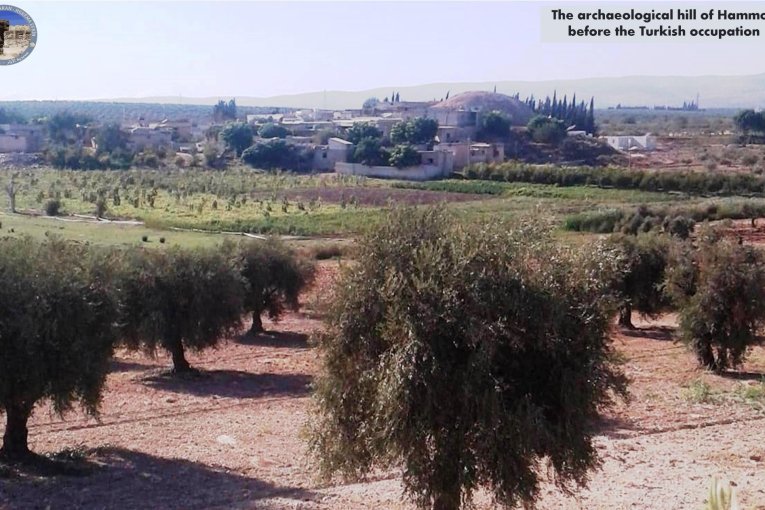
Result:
[{"x": 480, "y": 101}]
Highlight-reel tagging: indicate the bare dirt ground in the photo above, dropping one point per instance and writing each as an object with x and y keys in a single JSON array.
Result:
[
  {"x": 371, "y": 196},
  {"x": 234, "y": 438},
  {"x": 700, "y": 154}
]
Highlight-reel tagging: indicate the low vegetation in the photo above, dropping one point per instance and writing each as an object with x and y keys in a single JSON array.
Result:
[{"x": 699, "y": 183}]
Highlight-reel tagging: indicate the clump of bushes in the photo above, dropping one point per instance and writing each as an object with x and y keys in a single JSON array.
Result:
[
  {"x": 435, "y": 358},
  {"x": 620, "y": 178},
  {"x": 53, "y": 207},
  {"x": 677, "y": 220}
]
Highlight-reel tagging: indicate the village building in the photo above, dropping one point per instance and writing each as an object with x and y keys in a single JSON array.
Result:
[
  {"x": 337, "y": 150},
  {"x": 467, "y": 153},
  {"x": 21, "y": 138},
  {"x": 142, "y": 137},
  {"x": 18, "y": 35},
  {"x": 646, "y": 142}
]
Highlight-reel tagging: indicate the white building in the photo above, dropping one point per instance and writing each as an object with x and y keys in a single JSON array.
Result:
[{"x": 646, "y": 142}]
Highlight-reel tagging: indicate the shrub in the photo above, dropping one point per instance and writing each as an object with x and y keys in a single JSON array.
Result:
[
  {"x": 720, "y": 290},
  {"x": 546, "y": 129},
  {"x": 466, "y": 355},
  {"x": 162, "y": 240},
  {"x": 56, "y": 332},
  {"x": 271, "y": 130},
  {"x": 275, "y": 154},
  {"x": 622, "y": 178},
  {"x": 403, "y": 156},
  {"x": 275, "y": 276},
  {"x": 419, "y": 130},
  {"x": 238, "y": 136},
  {"x": 101, "y": 207},
  {"x": 53, "y": 207},
  {"x": 369, "y": 152},
  {"x": 145, "y": 239},
  {"x": 178, "y": 299},
  {"x": 361, "y": 130}
]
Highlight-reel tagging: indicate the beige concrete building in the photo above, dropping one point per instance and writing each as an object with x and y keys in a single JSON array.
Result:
[
  {"x": 21, "y": 138},
  {"x": 337, "y": 150},
  {"x": 141, "y": 137},
  {"x": 464, "y": 153}
]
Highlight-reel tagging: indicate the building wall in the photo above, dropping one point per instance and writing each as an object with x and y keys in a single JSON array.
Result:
[
  {"x": 13, "y": 143},
  {"x": 324, "y": 158},
  {"x": 417, "y": 173},
  {"x": 447, "y": 117}
]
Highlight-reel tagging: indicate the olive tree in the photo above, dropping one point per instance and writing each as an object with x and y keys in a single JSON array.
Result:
[
  {"x": 468, "y": 355},
  {"x": 639, "y": 285},
  {"x": 719, "y": 287},
  {"x": 274, "y": 277},
  {"x": 57, "y": 331},
  {"x": 179, "y": 299}
]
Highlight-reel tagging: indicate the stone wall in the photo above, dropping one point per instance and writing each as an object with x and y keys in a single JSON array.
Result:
[{"x": 415, "y": 173}]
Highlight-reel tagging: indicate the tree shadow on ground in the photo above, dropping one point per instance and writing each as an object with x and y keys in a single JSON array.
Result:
[
  {"x": 120, "y": 365},
  {"x": 614, "y": 427},
  {"x": 286, "y": 339},
  {"x": 743, "y": 375},
  {"x": 233, "y": 384},
  {"x": 126, "y": 479},
  {"x": 662, "y": 333}
]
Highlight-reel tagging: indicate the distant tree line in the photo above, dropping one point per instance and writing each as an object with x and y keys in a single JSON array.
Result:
[
  {"x": 750, "y": 123},
  {"x": 621, "y": 178},
  {"x": 570, "y": 112},
  {"x": 223, "y": 110}
]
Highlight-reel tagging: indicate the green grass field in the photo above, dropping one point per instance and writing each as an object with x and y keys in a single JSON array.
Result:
[{"x": 240, "y": 200}]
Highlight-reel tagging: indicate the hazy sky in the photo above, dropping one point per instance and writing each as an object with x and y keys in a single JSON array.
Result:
[{"x": 194, "y": 49}]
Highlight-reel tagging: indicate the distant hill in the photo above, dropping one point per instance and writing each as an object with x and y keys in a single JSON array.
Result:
[
  {"x": 714, "y": 92},
  {"x": 126, "y": 111}
]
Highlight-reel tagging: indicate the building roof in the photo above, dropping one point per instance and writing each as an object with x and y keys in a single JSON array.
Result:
[{"x": 481, "y": 101}]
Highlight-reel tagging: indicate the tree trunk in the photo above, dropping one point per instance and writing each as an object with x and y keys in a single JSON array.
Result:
[
  {"x": 707, "y": 357},
  {"x": 625, "y": 316},
  {"x": 447, "y": 501},
  {"x": 15, "y": 445},
  {"x": 257, "y": 324},
  {"x": 180, "y": 364}
]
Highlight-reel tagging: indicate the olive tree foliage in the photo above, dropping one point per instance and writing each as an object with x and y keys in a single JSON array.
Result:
[
  {"x": 719, "y": 287},
  {"x": 177, "y": 300},
  {"x": 420, "y": 130},
  {"x": 238, "y": 136},
  {"x": 57, "y": 332},
  {"x": 403, "y": 156},
  {"x": 467, "y": 355},
  {"x": 361, "y": 130},
  {"x": 640, "y": 284},
  {"x": 274, "y": 277},
  {"x": 546, "y": 129},
  {"x": 494, "y": 126}
]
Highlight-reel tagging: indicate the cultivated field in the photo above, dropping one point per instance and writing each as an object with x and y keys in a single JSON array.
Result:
[{"x": 234, "y": 437}]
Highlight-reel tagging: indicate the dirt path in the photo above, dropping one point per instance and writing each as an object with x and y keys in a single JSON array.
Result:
[{"x": 234, "y": 439}]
